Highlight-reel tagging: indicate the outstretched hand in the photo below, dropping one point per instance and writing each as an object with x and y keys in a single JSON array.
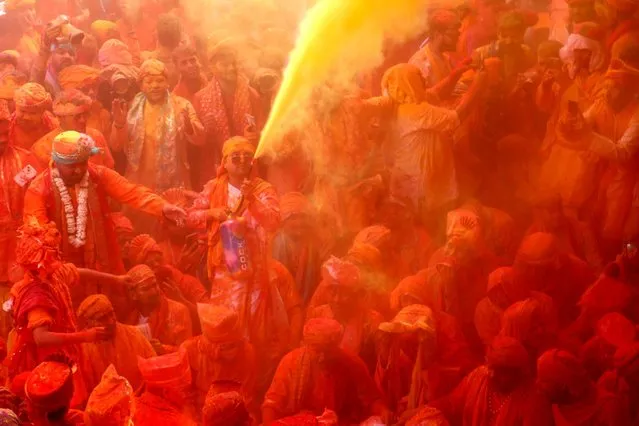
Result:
[{"x": 174, "y": 213}]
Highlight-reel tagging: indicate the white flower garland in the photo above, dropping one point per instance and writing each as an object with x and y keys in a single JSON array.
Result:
[{"x": 76, "y": 226}]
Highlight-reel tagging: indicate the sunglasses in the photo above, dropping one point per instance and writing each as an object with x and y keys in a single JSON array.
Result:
[{"x": 241, "y": 158}]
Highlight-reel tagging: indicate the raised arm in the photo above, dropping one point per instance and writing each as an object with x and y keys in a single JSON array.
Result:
[{"x": 125, "y": 192}]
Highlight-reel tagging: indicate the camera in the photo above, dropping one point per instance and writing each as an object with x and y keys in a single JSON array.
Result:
[{"x": 67, "y": 31}]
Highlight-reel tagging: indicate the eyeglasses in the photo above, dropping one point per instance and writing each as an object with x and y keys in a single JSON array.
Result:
[{"x": 241, "y": 158}]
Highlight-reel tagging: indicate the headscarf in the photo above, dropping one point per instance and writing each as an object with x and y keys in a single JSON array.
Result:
[
  {"x": 49, "y": 388},
  {"x": 166, "y": 371},
  {"x": 32, "y": 97},
  {"x": 376, "y": 235},
  {"x": 71, "y": 102},
  {"x": 152, "y": 67},
  {"x": 94, "y": 306},
  {"x": 506, "y": 351},
  {"x": 236, "y": 144},
  {"x": 616, "y": 329},
  {"x": 140, "y": 274},
  {"x": 294, "y": 203},
  {"x": 78, "y": 76},
  {"x": 114, "y": 52},
  {"x": 37, "y": 245},
  {"x": 9, "y": 418},
  {"x": 224, "y": 409},
  {"x": 322, "y": 333},
  {"x": 219, "y": 323},
  {"x": 111, "y": 401},
  {"x": 140, "y": 247},
  {"x": 404, "y": 84},
  {"x": 559, "y": 366},
  {"x": 341, "y": 272},
  {"x": 71, "y": 147},
  {"x": 583, "y": 40}
]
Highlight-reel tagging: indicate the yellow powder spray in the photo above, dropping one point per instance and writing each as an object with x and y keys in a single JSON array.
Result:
[{"x": 338, "y": 39}]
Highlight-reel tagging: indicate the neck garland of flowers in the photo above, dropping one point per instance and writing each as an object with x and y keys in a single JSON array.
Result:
[{"x": 76, "y": 225}]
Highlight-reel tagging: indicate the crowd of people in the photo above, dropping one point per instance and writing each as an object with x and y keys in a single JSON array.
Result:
[{"x": 463, "y": 251}]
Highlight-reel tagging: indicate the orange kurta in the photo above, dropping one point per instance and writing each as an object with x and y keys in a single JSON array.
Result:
[
  {"x": 123, "y": 351},
  {"x": 170, "y": 323},
  {"x": 42, "y": 148},
  {"x": 100, "y": 251}
]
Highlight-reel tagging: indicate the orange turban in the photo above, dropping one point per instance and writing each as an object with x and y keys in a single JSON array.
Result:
[
  {"x": 224, "y": 409},
  {"x": 294, "y": 203},
  {"x": 9, "y": 83},
  {"x": 94, "y": 306},
  {"x": 441, "y": 19},
  {"x": 226, "y": 47},
  {"x": 78, "y": 77},
  {"x": 121, "y": 223},
  {"x": 50, "y": 386},
  {"x": 219, "y": 323},
  {"x": 341, "y": 272},
  {"x": 72, "y": 147},
  {"x": 152, "y": 67},
  {"x": 140, "y": 274},
  {"x": 111, "y": 402},
  {"x": 104, "y": 30},
  {"x": 141, "y": 246},
  {"x": 404, "y": 84},
  {"x": 322, "y": 333},
  {"x": 376, "y": 235},
  {"x": 114, "y": 52},
  {"x": 237, "y": 144},
  {"x": 507, "y": 352},
  {"x": 37, "y": 245},
  {"x": 366, "y": 255},
  {"x": 414, "y": 286},
  {"x": 71, "y": 102},
  {"x": 32, "y": 97},
  {"x": 166, "y": 371}
]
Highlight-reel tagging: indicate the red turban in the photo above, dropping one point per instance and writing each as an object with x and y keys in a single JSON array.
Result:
[
  {"x": 141, "y": 246},
  {"x": 71, "y": 102},
  {"x": 121, "y": 223},
  {"x": 50, "y": 386},
  {"x": 114, "y": 52},
  {"x": 94, "y": 306},
  {"x": 166, "y": 371},
  {"x": 616, "y": 329},
  {"x": 140, "y": 274},
  {"x": 341, "y": 272},
  {"x": 322, "y": 333},
  {"x": 561, "y": 367},
  {"x": 376, "y": 235}
]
